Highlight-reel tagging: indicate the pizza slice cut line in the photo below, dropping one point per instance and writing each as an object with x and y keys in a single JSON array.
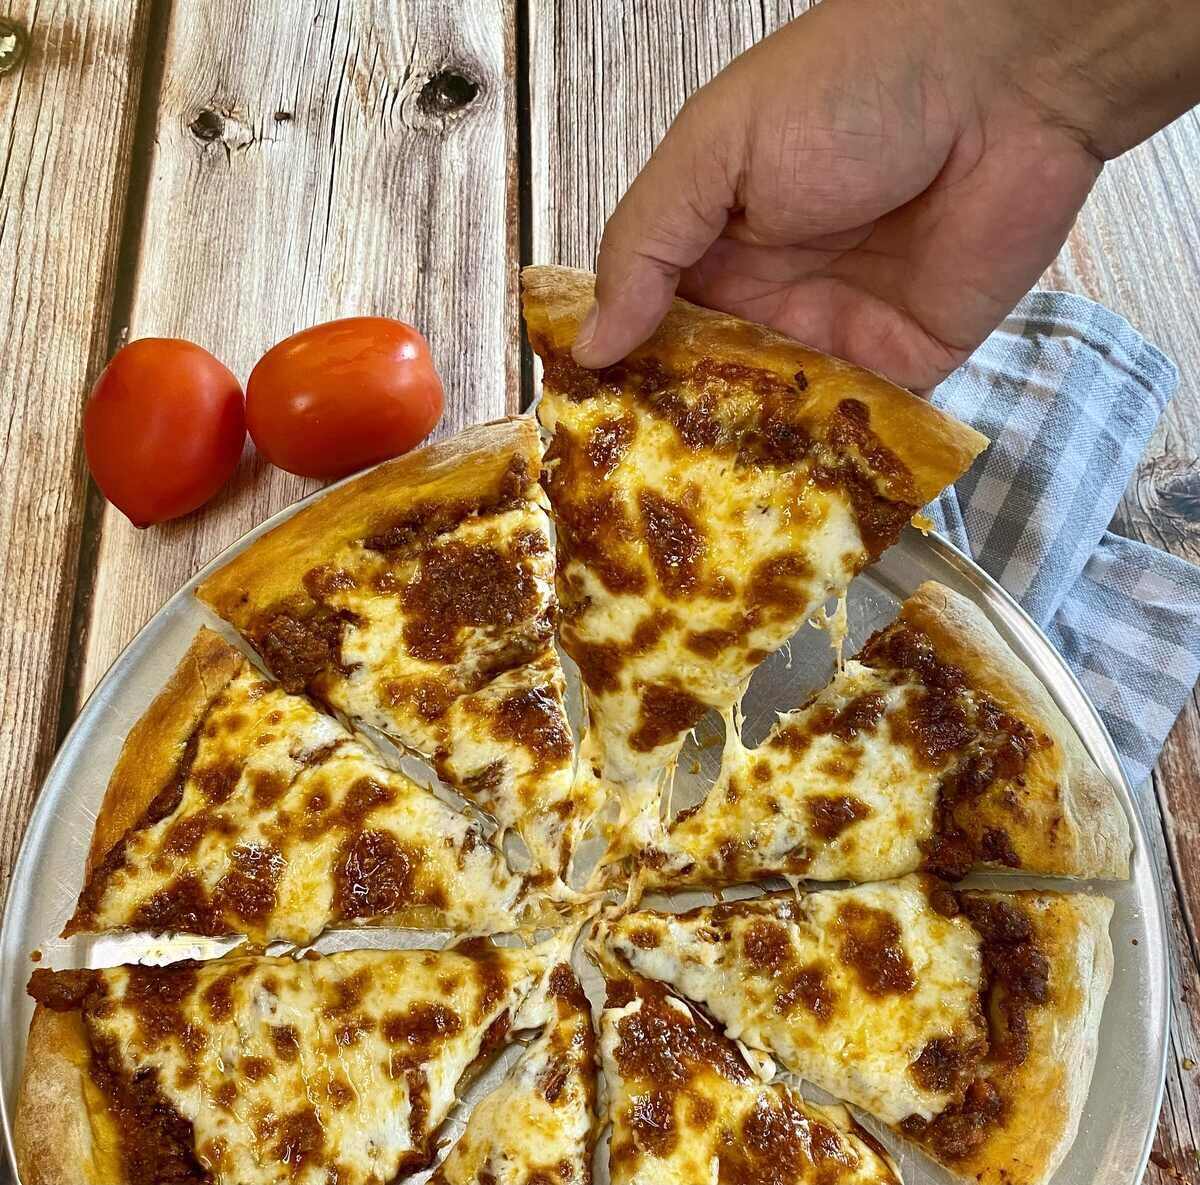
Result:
[
  {"x": 538, "y": 1125},
  {"x": 249, "y": 1070},
  {"x": 711, "y": 493},
  {"x": 967, "y": 1021},
  {"x": 238, "y": 808},
  {"x": 418, "y": 600},
  {"x": 684, "y": 1105}
]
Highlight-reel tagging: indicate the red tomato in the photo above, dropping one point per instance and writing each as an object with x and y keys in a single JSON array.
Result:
[
  {"x": 343, "y": 395},
  {"x": 163, "y": 429}
]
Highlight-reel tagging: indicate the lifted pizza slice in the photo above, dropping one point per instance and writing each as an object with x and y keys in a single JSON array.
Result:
[
  {"x": 968, "y": 1021},
  {"x": 538, "y": 1127},
  {"x": 711, "y": 494},
  {"x": 236, "y": 808},
  {"x": 685, "y": 1107},
  {"x": 249, "y": 1071},
  {"x": 418, "y": 599},
  {"x": 935, "y": 749}
]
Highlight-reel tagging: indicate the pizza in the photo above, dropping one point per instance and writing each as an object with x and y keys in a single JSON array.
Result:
[
  {"x": 256, "y": 1069},
  {"x": 238, "y": 808},
  {"x": 685, "y": 1106},
  {"x": 935, "y": 748},
  {"x": 418, "y": 599},
  {"x": 702, "y": 500},
  {"x": 968, "y": 1021},
  {"x": 711, "y": 493},
  {"x": 538, "y": 1127}
]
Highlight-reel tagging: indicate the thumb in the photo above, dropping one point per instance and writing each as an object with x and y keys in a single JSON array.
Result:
[{"x": 671, "y": 214}]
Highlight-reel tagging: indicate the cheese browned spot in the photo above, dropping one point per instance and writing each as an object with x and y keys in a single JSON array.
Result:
[
  {"x": 684, "y": 1106},
  {"x": 265, "y": 1086},
  {"x": 338, "y": 838},
  {"x": 424, "y": 608},
  {"x": 538, "y": 1126},
  {"x": 728, "y": 483}
]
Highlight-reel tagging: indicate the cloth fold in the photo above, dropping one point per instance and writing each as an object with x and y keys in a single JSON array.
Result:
[{"x": 1069, "y": 394}]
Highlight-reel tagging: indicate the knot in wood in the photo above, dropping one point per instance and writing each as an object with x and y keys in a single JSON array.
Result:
[
  {"x": 446, "y": 92},
  {"x": 14, "y": 45},
  {"x": 207, "y": 126}
]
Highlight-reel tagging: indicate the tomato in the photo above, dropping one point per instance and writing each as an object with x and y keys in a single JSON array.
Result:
[
  {"x": 343, "y": 395},
  {"x": 163, "y": 429}
]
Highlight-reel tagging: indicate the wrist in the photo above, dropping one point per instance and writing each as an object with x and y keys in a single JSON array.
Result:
[{"x": 1109, "y": 72}]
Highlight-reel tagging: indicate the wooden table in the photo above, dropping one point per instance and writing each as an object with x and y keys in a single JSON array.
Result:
[{"x": 231, "y": 172}]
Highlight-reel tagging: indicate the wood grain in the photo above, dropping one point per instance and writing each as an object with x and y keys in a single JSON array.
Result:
[
  {"x": 605, "y": 82},
  {"x": 314, "y": 160},
  {"x": 66, "y": 126}
]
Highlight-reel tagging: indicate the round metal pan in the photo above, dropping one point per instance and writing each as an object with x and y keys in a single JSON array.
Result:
[{"x": 1118, "y": 1126}]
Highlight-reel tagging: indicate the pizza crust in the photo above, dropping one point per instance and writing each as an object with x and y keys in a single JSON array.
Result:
[
  {"x": 155, "y": 743},
  {"x": 1097, "y": 841},
  {"x": 57, "y": 1137},
  {"x": 473, "y": 463},
  {"x": 1047, "y": 1094},
  {"x": 934, "y": 447}
]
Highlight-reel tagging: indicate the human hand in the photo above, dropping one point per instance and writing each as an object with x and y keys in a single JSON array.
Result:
[{"x": 884, "y": 179}]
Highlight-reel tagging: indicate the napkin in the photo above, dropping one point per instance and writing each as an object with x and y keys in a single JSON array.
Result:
[{"x": 1069, "y": 393}]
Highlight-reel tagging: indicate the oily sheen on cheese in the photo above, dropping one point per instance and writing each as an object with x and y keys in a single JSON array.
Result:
[
  {"x": 847, "y": 988},
  {"x": 419, "y": 600},
  {"x": 538, "y": 1127},
  {"x": 276, "y": 823},
  {"x": 272, "y": 1070},
  {"x": 711, "y": 492},
  {"x": 685, "y": 1107}
]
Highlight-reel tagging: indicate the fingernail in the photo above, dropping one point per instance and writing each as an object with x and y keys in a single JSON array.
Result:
[{"x": 587, "y": 330}]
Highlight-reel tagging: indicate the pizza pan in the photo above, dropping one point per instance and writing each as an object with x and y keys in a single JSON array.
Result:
[{"x": 1118, "y": 1125}]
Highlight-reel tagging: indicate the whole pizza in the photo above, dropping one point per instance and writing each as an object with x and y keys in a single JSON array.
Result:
[{"x": 693, "y": 507}]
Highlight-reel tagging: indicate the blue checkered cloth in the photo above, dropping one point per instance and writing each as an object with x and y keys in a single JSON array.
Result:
[{"x": 1069, "y": 393}]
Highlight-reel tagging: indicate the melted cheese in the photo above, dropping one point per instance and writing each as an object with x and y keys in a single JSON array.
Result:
[
  {"x": 305, "y": 1072},
  {"x": 437, "y": 631},
  {"x": 537, "y": 1126},
  {"x": 846, "y": 988},
  {"x": 452, "y": 707},
  {"x": 722, "y": 562},
  {"x": 286, "y": 825},
  {"x": 810, "y": 802},
  {"x": 689, "y": 1110}
]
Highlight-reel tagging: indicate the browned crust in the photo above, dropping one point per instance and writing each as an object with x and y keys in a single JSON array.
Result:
[
  {"x": 153, "y": 748},
  {"x": 934, "y": 447},
  {"x": 58, "y": 1138},
  {"x": 473, "y": 463},
  {"x": 1097, "y": 840},
  {"x": 1047, "y": 1092}
]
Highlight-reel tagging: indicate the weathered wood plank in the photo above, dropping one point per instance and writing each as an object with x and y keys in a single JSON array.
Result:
[
  {"x": 605, "y": 82},
  {"x": 311, "y": 161},
  {"x": 67, "y": 118}
]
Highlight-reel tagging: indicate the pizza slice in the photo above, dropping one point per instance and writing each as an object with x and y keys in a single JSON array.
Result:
[
  {"x": 966, "y": 1020},
  {"x": 538, "y": 1127},
  {"x": 711, "y": 493},
  {"x": 936, "y": 748},
  {"x": 685, "y": 1107},
  {"x": 236, "y": 808},
  {"x": 249, "y": 1071},
  {"x": 418, "y": 599}
]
